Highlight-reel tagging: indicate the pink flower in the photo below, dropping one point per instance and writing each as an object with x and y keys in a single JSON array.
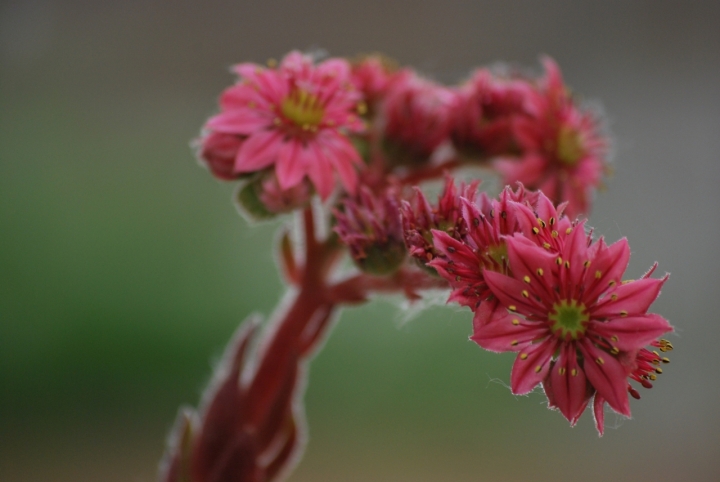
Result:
[
  {"x": 296, "y": 118},
  {"x": 576, "y": 326},
  {"x": 484, "y": 113},
  {"x": 369, "y": 225},
  {"x": 463, "y": 259},
  {"x": 563, "y": 152},
  {"x": 419, "y": 218},
  {"x": 417, "y": 117}
]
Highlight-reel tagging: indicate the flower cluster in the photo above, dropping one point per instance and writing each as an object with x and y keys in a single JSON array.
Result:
[
  {"x": 539, "y": 285},
  {"x": 311, "y": 122},
  {"x": 365, "y": 136}
]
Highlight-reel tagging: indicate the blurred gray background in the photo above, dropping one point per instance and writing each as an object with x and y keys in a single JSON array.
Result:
[{"x": 124, "y": 267}]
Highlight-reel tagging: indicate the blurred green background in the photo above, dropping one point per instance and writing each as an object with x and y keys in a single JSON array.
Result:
[{"x": 124, "y": 267}]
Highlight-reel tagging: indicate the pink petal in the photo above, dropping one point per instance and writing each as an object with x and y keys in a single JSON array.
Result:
[
  {"x": 456, "y": 251},
  {"x": 247, "y": 70},
  {"x": 245, "y": 121},
  {"x": 321, "y": 173},
  {"x": 607, "y": 375},
  {"x": 509, "y": 333},
  {"x": 545, "y": 208},
  {"x": 487, "y": 312},
  {"x": 576, "y": 253},
  {"x": 258, "y": 151},
  {"x": 238, "y": 97},
  {"x": 531, "y": 366},
  {"x": 510, "y": 293},
  {"x": 534, "y": 265},
  {"x": 566, "y": 386},
  {"x": 610, "y": 262},
  {"x": 633, "y": 298},
  {"x": 599, "y": 412},
  {"x": 553, "y": 77},
  {"x": 344, "y": 157},
  {"x": 632, "y": 332},
  {"x": 289, "y": 168}
]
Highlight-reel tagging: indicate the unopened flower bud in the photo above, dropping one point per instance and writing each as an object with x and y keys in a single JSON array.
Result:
[
  {"x": 262, "y": 197},
  {"x": 218, "y": 152},
  {"x": 370, "y": 226},
  {"x": 417, "y": 119},
  {"x": 484, "y": 113},
  {"x": 372, "y": 75}
]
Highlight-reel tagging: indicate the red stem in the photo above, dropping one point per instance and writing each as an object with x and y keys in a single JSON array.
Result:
[{"x": 250, "y": 425}]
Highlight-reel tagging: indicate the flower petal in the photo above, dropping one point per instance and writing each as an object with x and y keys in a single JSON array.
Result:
[
  {"x": 245, "y": 121},
  {"x": 531, "y": 366},
  {"x": 289, "y": 167},
  {"x": 607, "y": 375},
  {"x": 566, "y": 386},
  {"x": 633, "y": 298},
  {"x": 258, "y": 151},
  {"x": 511, "y": 293},
  {"x": 320, "y": 171},
  {"x": 606, "y": 268},
  {"x": 487, "y": 312},
  {"x": 632, "y": 332},
  {"x": 534, "y": 265},
  {"x": 508, "y": 333},
  {"x": 343, "y": 157},
  {"x": 599, "y": 412}
]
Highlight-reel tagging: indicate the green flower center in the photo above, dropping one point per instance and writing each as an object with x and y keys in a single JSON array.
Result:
[
  {"x": 569, "y": 146},
  {"x": 569, "y": 319},
  {"x": 302, "y": 109},
  {"x": 498, "y": 253}
]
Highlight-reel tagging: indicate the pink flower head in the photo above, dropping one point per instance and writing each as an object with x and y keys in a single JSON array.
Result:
[
  {"x": 484, "y": 113},
  {"x": 462, "y": 260},
  {"x": 563, "y": 152},
  {"x": 419, "y": 218},
  {"x": 572, "y": 320},
  {"x": 417, "y": 117},
  {"x": 296, "y": 118},
  {"x": 370, "y": 226}
]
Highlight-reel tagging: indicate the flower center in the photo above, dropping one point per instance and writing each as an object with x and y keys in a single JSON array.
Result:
[
  {"x": 569, "y": 146},
  {"x": 303, "y": 109},
  {"x": 568, "y": 319},
  {"x": 498, "y": 253}
]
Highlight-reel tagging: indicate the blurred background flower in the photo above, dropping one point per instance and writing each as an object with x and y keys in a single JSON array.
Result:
[{"x": 124, "y": 267}]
